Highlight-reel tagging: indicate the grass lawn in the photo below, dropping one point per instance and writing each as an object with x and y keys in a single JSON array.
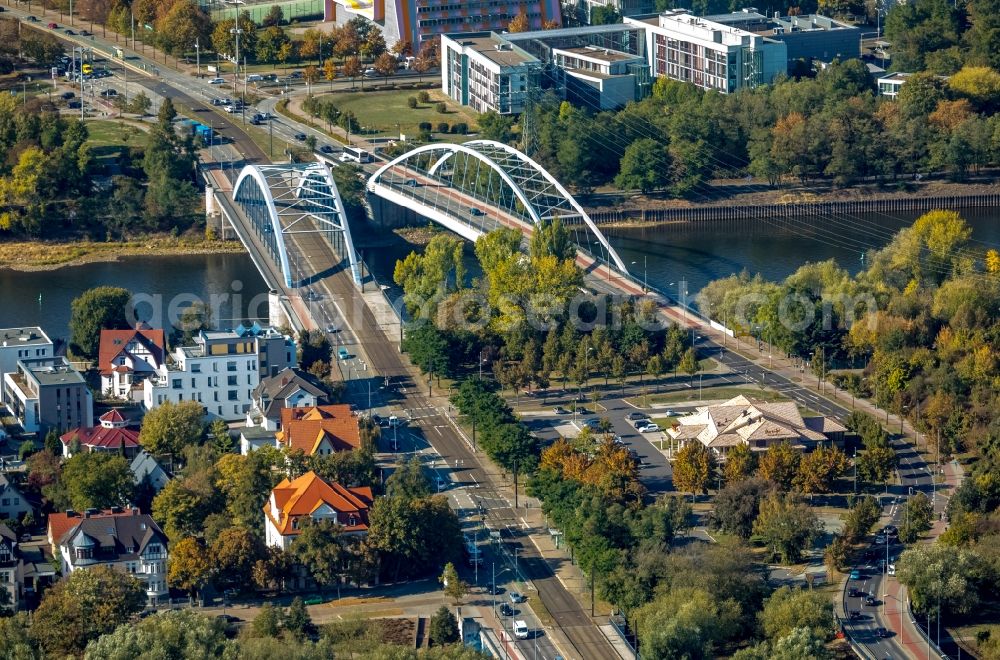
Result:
[
  {"x": 382, "y": 111},
  {"x": 108, "y": 138},
  {"x": 690, "y": 396}
]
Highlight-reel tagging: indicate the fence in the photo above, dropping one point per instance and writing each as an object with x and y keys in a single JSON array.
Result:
[{"x": 761, "y": 211}]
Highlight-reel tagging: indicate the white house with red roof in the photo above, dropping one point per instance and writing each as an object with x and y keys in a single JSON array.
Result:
[
  {"x": 112, "y": 434},
  {"x": 128, "y": 357},
  {"x": 309, "y": 497}
]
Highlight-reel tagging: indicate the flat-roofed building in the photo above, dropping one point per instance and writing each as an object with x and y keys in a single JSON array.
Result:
[
  {"x": 890, "y": 84},
  {"x": 808, "y": 37},
  {"x": 710, "y": 55},
  {"x": 22, "y": 344},
  {"x": 488, "y": 73},
  {"x": 48, "y": 393},
  {"x": 600, "y": 78}
]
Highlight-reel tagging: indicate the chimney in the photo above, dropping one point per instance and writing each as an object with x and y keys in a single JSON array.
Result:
[
  {"x": 70, "y": 513},
  {"x": 135, "y": 511},
  {"x": 116, "y": 509}
]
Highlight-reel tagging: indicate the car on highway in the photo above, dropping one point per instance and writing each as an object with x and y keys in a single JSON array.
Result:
[
  {"x": 74, "y": 105},
  {"x": 476, "y": 212},
  {"x": 68, "y": 95},
  {"x": 493, "y": 589},
  {"x": 855, "y": 575},
  {"x": 326, "y": 149},
  {"x": 295, "y": 74},
  {"x": 393, "y": 421},
  {"x": 84, "y": 33},
  {"x": 854, "y": 615},
  {"x": 559, "y": 410},
  {"x": 516, "y": 597},
  {"x": 880, "y": 539},
  {"x": 109, "y": 93},
  {"x": 216, "y": 81},
  {"x": 871, "y": 601},
  {"x": 254, "y": 77},
  {"x": 70, "y": 32},
  {"x": 854, "y": 592},
  {"x": 506, "y": 610},
  {"x": 520, "y": 629},
  {"x": 301, "y": 137},
  {"x": 881, "y": 633},
  {"x": 890, "y": 530},
  {"x": 32, "y": 19},
  {"x": 52, "y": 26},
  {"x": 342, "y": 353},
  {"x": 370, "y": 73},
  {"x": 332, "y": 329},
  {"x": 412, "y": 183},
  {"x": 441, "y": 484}
]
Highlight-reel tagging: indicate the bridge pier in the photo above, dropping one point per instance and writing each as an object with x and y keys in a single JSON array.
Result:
[{"x": 389, "y": 215}]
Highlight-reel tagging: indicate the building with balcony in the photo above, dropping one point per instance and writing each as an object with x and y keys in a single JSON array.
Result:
[
  {"x": 710, "y": 55},
  {"x": 48, "y": 393},
  {"x": 125, "y": 540},
  {"x": 127, "y": 357},
  {"x": 757, "y": 424},
  {"x": 600, "y": 78},
  {"x": 310, "y": 498},
  {"x": 111, "y": 434},
  {"x": 11, "y": 568},
  {"x": 220, "y": 370},
  {"x": 890, "y": 84},
  {"x": 22, "y": 344},
  {"x": 319, "y": 430}
]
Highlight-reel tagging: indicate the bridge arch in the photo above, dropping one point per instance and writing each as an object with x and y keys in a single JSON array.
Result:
[
  {"x": 528, "y": 192},
  {"x": 295, "y": 198}
]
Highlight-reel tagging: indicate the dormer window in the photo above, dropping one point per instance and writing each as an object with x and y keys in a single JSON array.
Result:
[
  {"x": 295, "y": 522},
  {"x": 352, "y": 520}
]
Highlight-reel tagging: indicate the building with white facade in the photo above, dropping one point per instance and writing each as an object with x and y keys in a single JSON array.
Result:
[
  {"x": 290, "y": 388},
  {"x": 488, "y": 73},
  {"x": 127, "y": 357},
  {"x": 600, "y": 78},
  {"x": 13, "y": 504},
  {"x": 125, "y": 540},
  {"x": 11, "y": 568},
  {"x": 220, "y": 370},
  {"x": 144, "y": 466},
  {"x": 22, "y": 344},
  {"x": 294, "y": 502},
  {"x": 48, "y": 393},
  {"x": 112, "y": 434},
  {"x": 890, "y": 84},
  {"x": 710, "y": 55}
]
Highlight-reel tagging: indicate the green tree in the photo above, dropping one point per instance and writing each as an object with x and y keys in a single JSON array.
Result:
[
  {"x": 97, "y": 480},
  {"x": 409, "y": 480},
  {"x": 942, "y": 578},
  {"x": 454, "y": 587},
  {"x": 188, "y": 567},
  {"x": 221, "y": 438},
  {"x": 788, "y": 609},
  {"x": 413, "y": 537},
  {"x": 170, "y": 427},
  {"x": 860, "y": 518},
  {"x": 234, "y": 553},
  {"x": 322, "y": 548},
  {"x": 644, "y": 167},
  {"x": 917, "y": 517},
  {"x": 183, "y": 24},
  {"x": 169, "y": 634},
  {"x": 800, "y": 644},
  {"x": 820, "y": 469},
  {"x": 103, "y": 307},
  {"x": 270, "y": 41},
  {"x": 496, "y": 127},
  {"x": 787, "y": 526},
  {"x": 443, "y": 627},
  {"x": 684, "y": 623},
  {"x": 15, "y": 637},
  {"x": 82, "y": 607},
  {"x": 737, "y": 506},
  {"x": 741, "y": 463},
  {"x": 297, "y": 620},
  {"x": 267, "y": 623},
  {"x": 694, "y": 466}
]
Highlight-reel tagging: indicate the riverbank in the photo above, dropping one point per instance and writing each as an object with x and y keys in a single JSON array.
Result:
[{"x": 49, "y": 255}]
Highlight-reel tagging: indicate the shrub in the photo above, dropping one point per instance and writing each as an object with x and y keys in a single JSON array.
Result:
[
  {"x": 424, "y": 126},
  {"x": 460, "y": 128},
  {"x": 442, "y": 127},
  {"x": 411, "y": 102},
  {"x": 441, "y": 108},
  {"x": 424, "y": 96},
  {"x": 424, "y": 136}
]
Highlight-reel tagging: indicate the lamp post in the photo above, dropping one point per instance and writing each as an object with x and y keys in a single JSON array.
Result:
[
  {"x": 197, "y": 58},
  {"x": 236, "y": 70}
]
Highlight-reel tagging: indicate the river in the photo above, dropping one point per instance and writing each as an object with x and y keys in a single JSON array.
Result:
[{"x": 672, "y": 254}]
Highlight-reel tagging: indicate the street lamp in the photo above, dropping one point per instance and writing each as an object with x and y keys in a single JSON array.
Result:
[{"x": 236, "y": 70}]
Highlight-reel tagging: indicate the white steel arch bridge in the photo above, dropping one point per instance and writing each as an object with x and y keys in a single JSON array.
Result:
[
  {"x": 479, "y": 186},
  {"x": 295, "y": 198}
]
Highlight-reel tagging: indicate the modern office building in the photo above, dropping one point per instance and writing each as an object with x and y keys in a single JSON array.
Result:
[
  {"x": 809, "y": 37},
  {"x": 582, "y": 10},
  {"x": 48, "y": 393},
  {"x": 486, "y": 72},
  {"x": 421, "y": 21},
  {"x": 600, "y": 78},
  {"x": 221, "y": 370},
  {"x": 22, "y": 344},
  {"x": 710, "y": 55},
  {"x": 889, "y": 84}
]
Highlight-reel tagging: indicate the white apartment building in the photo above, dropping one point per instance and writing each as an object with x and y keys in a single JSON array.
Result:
[
  {"x": 220, "y": 370},
  {"x": 710, "y": 55},
  {"x": 22, "y": 344},
  {"x": 601, "y": 78},
  {"x": 485, "y": 72}
]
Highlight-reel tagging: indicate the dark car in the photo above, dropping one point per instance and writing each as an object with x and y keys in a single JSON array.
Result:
[
  {"x": 295, "y": 74},
  {"x": 881, "y": 633},
  {"x": 109, "y": 93},
  {"x": 227, "y": 618},
  {"x": 871, "y": 601},
  {"x": 327, "y": 149},
  {"x": 506, "y": 610},
  {"x": 68, "y": 95},
  {"x": 74, "y": 105},
  {"x": 301, "y": 137},
  {"x": 476, "y": 212},
  {"x": 854, "y": 592},
  {"x": 32, "y": 19},
  {"x": 854, "y": 615},
  {"x": 492, "y": 589},
  {"x": 70, "y": 32},
  {"x": 84, "y": 33}
]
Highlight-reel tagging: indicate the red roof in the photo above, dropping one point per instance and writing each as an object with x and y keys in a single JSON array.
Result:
[
  {"x": 113, "y": 416},
  {"x": 61, "y": 522},
  {"x": 301, "y": 497},
  {"x": 103, "y": 437},
  {"x": 305, "y": 428},
  {"x": 113, "y": 343}
]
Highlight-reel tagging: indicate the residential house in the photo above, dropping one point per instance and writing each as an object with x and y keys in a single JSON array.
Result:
[
  {"x": 290, "y": 388},
  {"x": 48, "y": 393},
  {"x": 111, "y": 435},
  {"x": 126, "y": 540},
  {"x": 890, "y": 84},
  {"x": 13, "y": 504},
  {"x": 310, "y": 497},
  {"x": 22, "y": 344},
  {"x": 758, "y": 424},
  {"x": 144, "y": 466},
  {"x": 11, "y": 569},
  {"x": 319, "y": 430},
  {"x": 128, "y": 357},
  {"x": 220, "y": 370}
]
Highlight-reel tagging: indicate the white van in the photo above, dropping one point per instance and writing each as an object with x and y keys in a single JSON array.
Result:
[{"x": 254, "y": 77}]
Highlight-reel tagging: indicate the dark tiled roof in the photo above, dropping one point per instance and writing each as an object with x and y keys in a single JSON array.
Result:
[{"x": 118, "y": 537}]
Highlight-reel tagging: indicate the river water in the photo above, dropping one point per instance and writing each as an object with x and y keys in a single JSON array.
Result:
[{"x": 694, "y": 254}]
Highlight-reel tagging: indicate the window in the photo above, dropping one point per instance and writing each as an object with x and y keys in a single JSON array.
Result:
[
  {"x": 231, "y": 365},
  {"x": 196, "y": 368},
  {"x": 5, "y": 576},
  {"x": 17, "y": 501},
  {"x": 194, "y": 383},
  {"x": 234, "y": 395},
  {"x": 232, "y": 381},
  {"x": 176, "y": 383},
  {"x": 84, "y": 553},
  {"x": 5, "y": 501}
]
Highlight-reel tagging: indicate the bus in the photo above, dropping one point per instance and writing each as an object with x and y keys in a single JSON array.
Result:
[{"x": 355, "y": 155}]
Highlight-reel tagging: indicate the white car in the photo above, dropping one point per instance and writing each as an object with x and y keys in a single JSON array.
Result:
[
  {"x": 648, "y": 428},
  {"x": 520, "y": 629},
  {"x": 216, "y": 81}
]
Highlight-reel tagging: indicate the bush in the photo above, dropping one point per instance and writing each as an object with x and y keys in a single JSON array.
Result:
[
  {"x": 411, "y": 102},
  {"x": 443, "y": 628},
  {"x": 424, "y": 126},
  {"x": 460, "y": 128},
  {"x": 424, "y": 96},
  {"x": 441, "y": 108},
  {"x": 424, "y": 136},
  {"x": 442, "y": 127}
]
